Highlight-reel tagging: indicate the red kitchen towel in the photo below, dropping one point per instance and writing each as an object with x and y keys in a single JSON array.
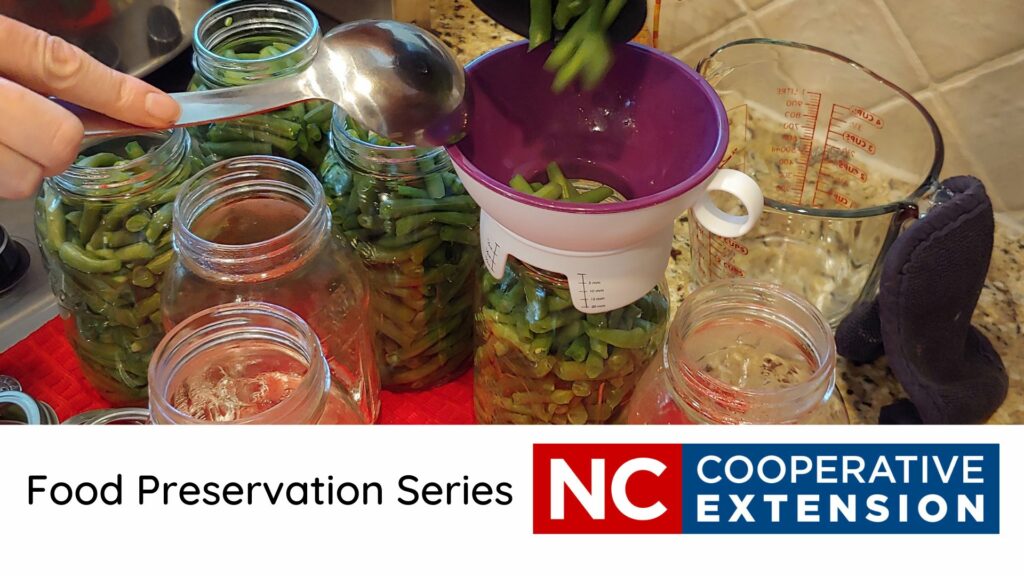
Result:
[{"x": 48, "y": 370}]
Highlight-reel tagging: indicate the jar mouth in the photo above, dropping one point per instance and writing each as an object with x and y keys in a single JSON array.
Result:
[
  {"x": 242, "y": 177},
  {"x": 111, "y": 416},
  {"x": 406, "y": 159},
  {"x": 235, "y": 323},
  {"x": 752, "y": 300},
  {"x": 239, "y": 19},
  {"x": 166, "y": 149}
]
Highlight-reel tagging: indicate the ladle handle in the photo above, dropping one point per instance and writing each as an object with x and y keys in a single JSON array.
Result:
[{"x": 206, "y": 106}]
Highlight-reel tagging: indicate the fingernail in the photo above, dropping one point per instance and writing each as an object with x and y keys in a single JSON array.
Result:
[{"x": 162, "y": 107}]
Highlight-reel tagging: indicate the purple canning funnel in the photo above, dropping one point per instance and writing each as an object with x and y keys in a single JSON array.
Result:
[{"x": 653, "y": 129}]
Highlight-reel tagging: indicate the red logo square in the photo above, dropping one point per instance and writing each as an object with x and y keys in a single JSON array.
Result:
[{"x": 607, "y": 488}]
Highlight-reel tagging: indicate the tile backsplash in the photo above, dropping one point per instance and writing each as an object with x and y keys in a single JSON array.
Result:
[{"x": 963, "y": 59}]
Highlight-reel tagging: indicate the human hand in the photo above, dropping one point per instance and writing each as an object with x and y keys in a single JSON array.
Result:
[{"x": 40, "y": 138}]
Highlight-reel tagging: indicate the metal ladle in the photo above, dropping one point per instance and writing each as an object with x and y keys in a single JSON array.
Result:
[{"x": 396, "y": 79}]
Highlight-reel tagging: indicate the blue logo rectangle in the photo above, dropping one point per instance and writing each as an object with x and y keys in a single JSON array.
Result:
[{"x": 841, "y": 489}]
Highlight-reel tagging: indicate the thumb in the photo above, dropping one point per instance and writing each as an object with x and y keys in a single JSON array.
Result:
[{"x": 49, "y": 65}]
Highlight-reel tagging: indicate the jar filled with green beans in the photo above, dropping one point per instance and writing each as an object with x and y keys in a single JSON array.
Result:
[
  {"x": 246, "y": 42},
  {"x": 415, "y": 229},
  {"x": 104, "y": 227},
  {"x": 541, "y": 361}
]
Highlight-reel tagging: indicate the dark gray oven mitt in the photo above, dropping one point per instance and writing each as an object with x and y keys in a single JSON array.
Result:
[{"x": 921, "y": 319}]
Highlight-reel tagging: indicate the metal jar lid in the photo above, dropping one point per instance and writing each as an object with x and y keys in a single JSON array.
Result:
[
  {"x": 16, "y": 407},
  {"x": 111, "y": 416}
]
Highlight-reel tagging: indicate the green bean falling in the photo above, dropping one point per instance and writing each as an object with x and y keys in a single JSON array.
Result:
[{"x": 583, "y": 51}]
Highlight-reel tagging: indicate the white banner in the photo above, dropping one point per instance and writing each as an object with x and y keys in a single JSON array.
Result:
[{"x": 441, "y": 499}]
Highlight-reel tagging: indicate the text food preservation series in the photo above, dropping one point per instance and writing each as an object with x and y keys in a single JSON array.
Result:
[{"x": 416, "y": 221}]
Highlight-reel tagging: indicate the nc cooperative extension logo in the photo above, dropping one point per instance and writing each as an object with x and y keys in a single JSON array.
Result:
[{"x": 766, "y": 489}]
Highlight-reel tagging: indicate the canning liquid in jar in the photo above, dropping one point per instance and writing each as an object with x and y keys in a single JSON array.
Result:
[
  {"x": 245, "y": 363},
  {"x": 236, "y": 382},
  {"x": 248, "y": 220},
  {"x": 750, "y": 354},
  {"x": 742, "y": 352}
]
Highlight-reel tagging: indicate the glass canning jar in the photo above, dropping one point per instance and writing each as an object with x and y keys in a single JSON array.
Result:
[
  {"x": 539, "y": 360},
  {"x": 246, "y": 42},
  {"x": 743, "y": 352},
  {"x": 245, "y": 363},
  {"x": 415, "y": 229},
  {"x": 103, "y": 226},
  {"x": 257, "y": 229}
]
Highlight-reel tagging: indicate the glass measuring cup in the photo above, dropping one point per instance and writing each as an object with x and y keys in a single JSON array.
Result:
[{"x": 843, "y": 157}]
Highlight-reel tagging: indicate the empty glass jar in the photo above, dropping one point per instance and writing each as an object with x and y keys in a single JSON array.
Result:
[
  {"x": 104, "y": 227},
  {"x": 743, "y": 352},
  {"x": 257, "y": 229},
  {"x": 246, "y": 42},
  {"x": 415, "y": 229},
  {"x": 541, "y": 361},
  {"x": 245, "y": 363}
]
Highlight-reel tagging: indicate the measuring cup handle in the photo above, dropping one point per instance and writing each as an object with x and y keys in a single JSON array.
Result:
[{"x": 745, "y": 190}]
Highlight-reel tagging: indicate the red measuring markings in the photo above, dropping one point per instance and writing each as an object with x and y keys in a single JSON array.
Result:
[
  {"x": 868, "y": 117},
  {"x": 838, "y": 154},
  {"x": 841, "y": 199},
  {"x": 853, "y": 170},
  {"x": 733, "y": 115},
  {"x": 735, "y": 246},
  {"x": 801, "y": 120},
  {"x": 859, "y": 141}
]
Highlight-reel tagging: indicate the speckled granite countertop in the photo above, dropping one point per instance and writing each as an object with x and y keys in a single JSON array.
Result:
[{"x": 867, "y": 388}]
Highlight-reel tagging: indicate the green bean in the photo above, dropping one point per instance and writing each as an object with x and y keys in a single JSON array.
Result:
[
  {"x": 519, "y": 183},
  {"x": 460, "y": 235},
  {"x": 598, "y": 60},
  {"x": 101, "y": 160},
  {"x": 91, "y": 214},
  {"x": 160, "y": 221},
  {"x": 137, "y": 251},
  {"x": 549, "y": 191},
  {"x": 540, "y": 22},
  {"x": 56, "y": 228},
  {"x": 134, "y": 150},
  {"x": 137, "y": 222},
  {"x": 394, "y": 208},
  {"x": 319, "y": 114},
  {"x": 594, "y": 196},
  {"x": 413, "y": 222},
  {"x": 223, "y": 133},
  {"x": 233, "y": 149},
  {"x": 555, "y": 175},
  {"x": 114, "y": 239},
  {"x": 611, "y": 12},
  {"x": 78, "y": 259},
  {"x": 415, "y": 253},
  {"x": 584, "y": 48},
  {"x": 572, "y": 39},
  {"x": 578, "y": 349},
  {"x": 116, "y": 216},
  {"x": 143, "y": 277}
]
